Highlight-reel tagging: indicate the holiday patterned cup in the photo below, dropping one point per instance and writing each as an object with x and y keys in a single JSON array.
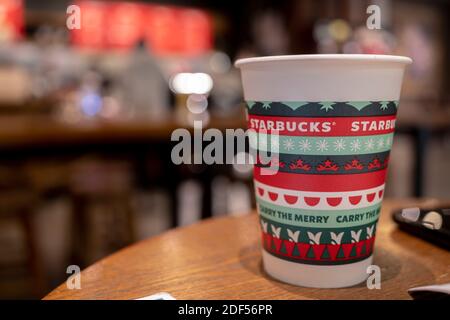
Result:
[{"x": 327, "y": 122}]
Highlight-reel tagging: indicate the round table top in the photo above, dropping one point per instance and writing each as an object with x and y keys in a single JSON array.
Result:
[{"x": 220, "y": 258}]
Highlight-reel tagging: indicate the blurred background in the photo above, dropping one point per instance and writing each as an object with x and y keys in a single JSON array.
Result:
[{"x": 86, "y": 115}]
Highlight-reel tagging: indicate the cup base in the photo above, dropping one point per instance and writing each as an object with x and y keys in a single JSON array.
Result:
[{"x": 314, "y": 276}]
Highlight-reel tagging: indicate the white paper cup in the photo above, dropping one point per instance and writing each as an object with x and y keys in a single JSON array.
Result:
[{"x": 335, "y": 117}]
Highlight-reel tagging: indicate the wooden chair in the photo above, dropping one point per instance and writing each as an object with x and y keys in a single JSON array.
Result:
[
  {"x": 17, "y": 203},
  {"x": 106, "y": 184}
]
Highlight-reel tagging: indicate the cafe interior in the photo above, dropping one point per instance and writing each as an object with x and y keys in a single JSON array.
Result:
[{"x": 88, "y": 107}]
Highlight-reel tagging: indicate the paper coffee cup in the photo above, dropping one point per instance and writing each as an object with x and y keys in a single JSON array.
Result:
[{"x": 330, "y": 120}]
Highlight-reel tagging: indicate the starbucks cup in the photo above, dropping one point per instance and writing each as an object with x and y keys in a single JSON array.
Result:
[{"x": 327, "y": 122}]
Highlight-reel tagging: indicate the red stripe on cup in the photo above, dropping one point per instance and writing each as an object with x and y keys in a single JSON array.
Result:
[
  {"x": 322, "y": 182},
  {"x": 310, "y": 127}
]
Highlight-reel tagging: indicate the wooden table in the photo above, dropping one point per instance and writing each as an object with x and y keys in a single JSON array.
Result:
[{"x": 220, "y": 259}]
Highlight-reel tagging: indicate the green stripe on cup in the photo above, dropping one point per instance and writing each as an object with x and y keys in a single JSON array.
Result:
[
  {"x": 319, "y": 218},
  {"x": 354, "y": 145}
]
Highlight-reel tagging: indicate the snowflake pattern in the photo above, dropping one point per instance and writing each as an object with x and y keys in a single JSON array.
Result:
[
  {"x": 304, "y": 145},
  {"x": 355, "y": 145},
  {"x": 327, "y": 106},
  {"x": 370, "y": 144},
  {"x": 339, "y": 145},
  {"x": 322, "y": 145},
  {"x": 384, "y": 105},
  {"x": 380, "y": 144},
  {"x": 288, "y": 144},
  {"x": 266, "y": 105}
]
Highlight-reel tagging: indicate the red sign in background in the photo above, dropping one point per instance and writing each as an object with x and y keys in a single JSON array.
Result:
[
  {"x": 11, "y": 19},
  {"x": 121, "y": 25}
]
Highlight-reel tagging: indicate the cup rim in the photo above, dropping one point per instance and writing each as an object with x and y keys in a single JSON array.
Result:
[{"x": 325, "y": 57}]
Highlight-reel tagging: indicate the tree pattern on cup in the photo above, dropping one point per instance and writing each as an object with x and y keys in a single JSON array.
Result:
[{"x": 318, "y": 246}]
